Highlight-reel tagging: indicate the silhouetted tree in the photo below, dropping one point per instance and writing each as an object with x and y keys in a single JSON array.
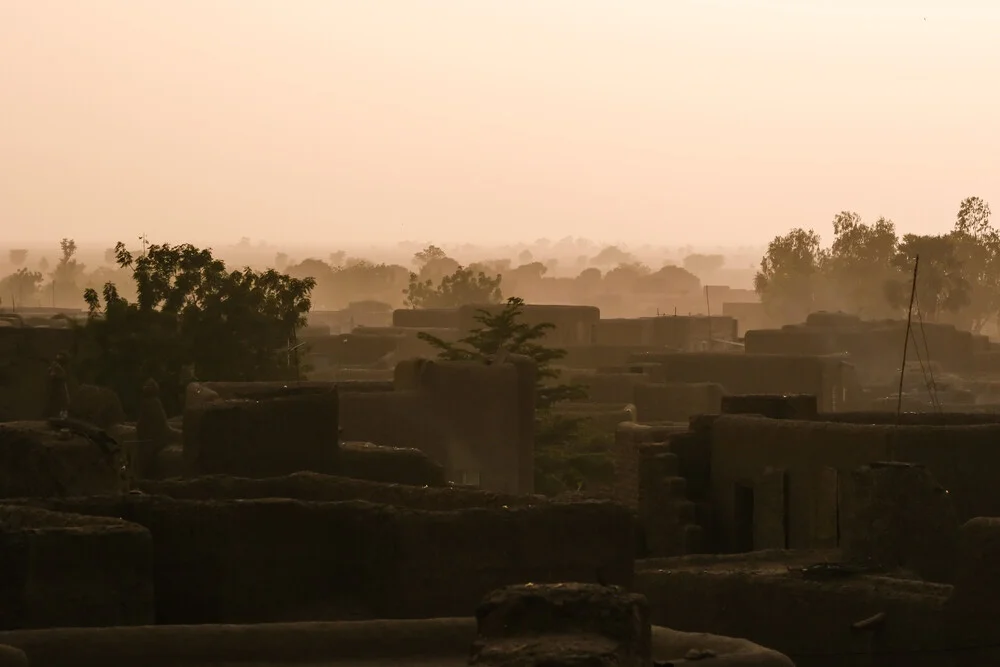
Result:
[
  {"x": 491, "y": 267},
  {"x": 859, "y": 263},
  {"x": 670, "y": 279},
  {"x": 506, "y": 330},
  {"x": 190, "y": 310},
  {"x": 525, "y": 275},
  {"x": 566, "y": 457},
  {"x": 941, "y": 286},
  {"x": 977, "y": 248},
  {"x": 21, "y": 288},
  {"x": 429, "y": 254},
  {"x": 67, "y": 274},
  {"x": 462, "y": 287},
  {"x": 612, "y": 256},
  {"x": 789, "y": 273},
  {"x": 625, "y": 277}
]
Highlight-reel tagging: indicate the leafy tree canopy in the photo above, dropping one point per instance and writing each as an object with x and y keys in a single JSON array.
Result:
[
  {"x": 941, "y": 285},
  {"x": 612, "y": 256},
  {"x": 567, "y": 456},
  {"x": 504, "y": 329},
  {"x": 21, "y": 288},
  {"x": 429, "y": 254},
  {"x": 867, "y": 270},
  {"x": 190, "y": 311},
  {"x": 786, "y": 279},
  {"x": 67, "y": 274},
  {"x": 464, "y": 286}
]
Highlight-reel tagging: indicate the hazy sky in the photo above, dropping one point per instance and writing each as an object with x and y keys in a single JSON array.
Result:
[{"x": 663, "y": 121}]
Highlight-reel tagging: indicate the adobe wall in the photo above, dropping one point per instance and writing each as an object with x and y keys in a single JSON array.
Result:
[
  {"x": 689, "y": 332},
  {"x": 58, "y": 458},
  {"x": 754, "y": 373},
  {"x": 313, "y": 486},
  {"x": 897, "y": 517},
  {"x": 562, "y": 624},
  {"x": 574, "y": 325},
  {"x": 263, "y": 436},
  {"x": 791, "y": 340},
  {"x": 616, "y": 388},
  {"x": 598, "y": 356},
  {"x": 391, "y": 419},
  {"x": 337, "y": 374},
  {"x": 441, "y": 641},
  {"x": 344, "y": 320},
  {"x": 351, "y": 349},
  {"x": 205, "y": 391},
  {"x": 623, "y": 331},
  {"x": 871, "y": 344},
  {"x": 802, "y": 461},
  {"x": 436, "y": 318},
  {"x": 597, "y": 417},
  {"x": 25, "y": 355},
  {"x": 676, "y": 401},
  {"x": 691, "y": 449},
  {"x": 273, "y": 559},
  {"x": 912, "y": 622},
  {"x": 393, "y": 465},
  {"x": 810, "y": 620},
  {"x": 490, "y": 414},
  {"x": 911, "y": 418},
  {"x": 469, "y": 417},
  {"x": 464, "y": 416},
  {"x": 408, "y": 343},
  {"x": 977, "y": 586},
  {"x": 800, "y": 406},
  {"x": 659, "y": 475},
  {"x": 73, "y": 571}
]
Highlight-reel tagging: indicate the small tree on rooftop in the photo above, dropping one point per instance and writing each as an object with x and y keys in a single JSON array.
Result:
[
  {"x": 505, "y": 330},
  {"x": 566, "y": 457}
]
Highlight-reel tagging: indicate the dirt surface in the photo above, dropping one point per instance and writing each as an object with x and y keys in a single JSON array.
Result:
[
  {"x": 776, "y": 565},
  {"x": 448, "y": 661},
  {"x": 443, "y": 642},
  {"x": 774, "y": 561}
]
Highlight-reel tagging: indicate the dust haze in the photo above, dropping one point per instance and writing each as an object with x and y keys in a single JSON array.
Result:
[
  {"x": 335, "y": 123},
  {"x": 493, "y": 333}
]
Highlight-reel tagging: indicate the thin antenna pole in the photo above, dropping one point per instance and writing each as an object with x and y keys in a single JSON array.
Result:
[
  {"x": 927, "y": 354},
  {"x": 906, "y": 340},
  {"x": 708, "y": 311}
]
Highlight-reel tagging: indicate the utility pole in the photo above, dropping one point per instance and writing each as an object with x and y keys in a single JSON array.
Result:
[{"x": 291, "y": 349}]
